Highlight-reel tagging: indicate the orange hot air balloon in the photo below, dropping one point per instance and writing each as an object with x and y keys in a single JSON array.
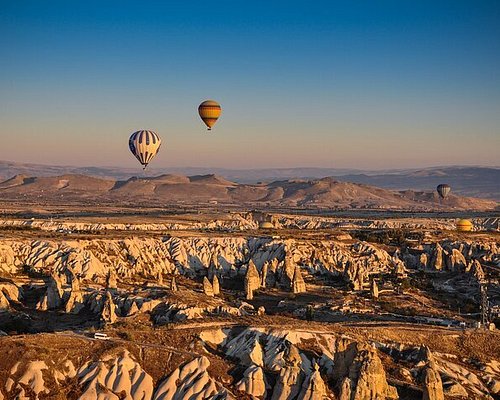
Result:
[
  {"x": 464, "y": 225},
  {"x": 209, "y": 112}
]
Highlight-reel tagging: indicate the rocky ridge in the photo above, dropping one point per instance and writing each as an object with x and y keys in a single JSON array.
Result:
[
  {"x": 246, "y": 221},
  {"x": 172, "y": 189},
  {"x": 272, "y": 364}
]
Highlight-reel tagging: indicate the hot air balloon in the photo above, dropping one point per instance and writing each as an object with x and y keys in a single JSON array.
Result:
[
  {"x": 144, "y": 145},
  {"x": 266, "y": 225},
  {"x": 443, "y": 190},
  {"x": 464, "y": 225},
  {"x": 209, "y": 112}
]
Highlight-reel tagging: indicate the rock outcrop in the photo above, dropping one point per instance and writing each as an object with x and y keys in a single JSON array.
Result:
[
  {"x": 288, "y": 384},
  {"x": 173, "y": 285},
  {"x": 366, "y": 379},
  {"x": 215, "y": 286},
  {"x": 457, "y": 261},
  {"x": 11, "y": 291},
  {"x": 111, "y": 280},
  {"x": 298, "y": 284},
  {"x": 314, "y": 387},
  {"x": 4, "y": 302},
  {"x": 374, "y": 290},
  {"x": 476, "y": 271},
  {"x": 112, "y": 376},
  {"x": 53, "y": 297},
  {"x": 108, "y": 314},
  {"x": 100, "y": 259},
  {"x": 437, "y": 258},
  {"x": 290, "y": 379},
  {"x": 191, "y": 381},
  {"x": 433, "y": 386},
  {"x": 253, "y": 382},
  {"x": 252, "y": 280},
  {"x": 276, "y": 364},
  {"x": 207, "y": 287},
  {"x": 75, "y": 301}
]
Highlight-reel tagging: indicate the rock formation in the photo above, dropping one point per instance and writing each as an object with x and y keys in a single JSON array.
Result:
[
  {"x": 433, "y": 386},
  {"x": 263, "y": 280},
  {"x": 255, "y": 355},
  {"x": 11, "y": 291},
  {"x": 111, "y": 281},
  {"x": 253, "y": 382},
  {"x": 42, "y": 304},
  {"x": 173, "y": 285},
  {"x": 366, "y": 379},
  {"x": 298, "y": 284},
  {"x": 115, "y": 375},
  {"x": 457, "y": 261},
  {"x": 4, "y": 302},
  {"x": 398, "y": 266},
  {"x": 268, "y": 356},
  {"x": 437, "y": 258},
  {"x": 423, "y": 260},
  {"x": 289, "y": 382},
  {"x": 283, "y": 368},
  {"x": 252, "y": 280},
  {"x": 216, "y": 286},
  {"x": 456, "y": 390},
  {"x": 355, "y": 272},
  {"x": 134, "y": 309},
  {"x": 314, "y": 387},
  {"x": 52, "y": 298},
  {"x": 288, "y": 271},
  {"x": 75, "y": 301},
  {"x": 476, "y": 271},
  {"x": 207, "y": 287},
  {"x": 97, "y": 258},
  {"x": 108, "y": 314},
  {"x": 374, "y": 289},
  {"x": 32, "y": 377},
  {"x": 271, "y": 271},
  {"x": 191, "y": 381}
]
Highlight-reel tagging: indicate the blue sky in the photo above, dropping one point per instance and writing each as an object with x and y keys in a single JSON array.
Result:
[{"x": 367, "y": 84}]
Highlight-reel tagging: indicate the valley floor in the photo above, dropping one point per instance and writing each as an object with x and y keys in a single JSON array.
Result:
[{"x": 211, "y": 306}]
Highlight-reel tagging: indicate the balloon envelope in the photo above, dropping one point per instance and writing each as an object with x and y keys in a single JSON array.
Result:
[
  {"x": 209, "y": 112},
  {"x": 464, "y": 225},
  {"x": 443, "y": 190},
  {"x": 144, "y": 145}
]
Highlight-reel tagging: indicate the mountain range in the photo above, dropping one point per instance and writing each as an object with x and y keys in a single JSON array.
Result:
[
  {"x": 210, "y": 189},
  {"x": 482, "y": 182}
]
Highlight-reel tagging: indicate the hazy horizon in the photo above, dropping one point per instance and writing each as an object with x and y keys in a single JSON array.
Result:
[
  {"x": 216, "y": 167},
  {"x": 324, "y": 85}
]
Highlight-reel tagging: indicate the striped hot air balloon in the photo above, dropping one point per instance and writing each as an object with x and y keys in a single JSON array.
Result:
[
  {"x": 209, "y": 112},
  {"x": 464, "y": 225},
  {"x": 443, "y": 190},
  {"x": 144, "y": 145}
]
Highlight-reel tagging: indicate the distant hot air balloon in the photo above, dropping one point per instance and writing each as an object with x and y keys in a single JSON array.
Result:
[
  {"x": 144, "y": 145},
  {"x": 209, "y": 112},
  {"x": 464, "y": 225},
  {"x": 443, "y": 190},
  {"x": 266, "y": 225}
]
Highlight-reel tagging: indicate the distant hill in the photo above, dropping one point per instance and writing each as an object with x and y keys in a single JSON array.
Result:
[
  {"x": 466, "y": 181},
  {"x": 204, "y": 189},
  {"x": 482, "y": 182}
]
